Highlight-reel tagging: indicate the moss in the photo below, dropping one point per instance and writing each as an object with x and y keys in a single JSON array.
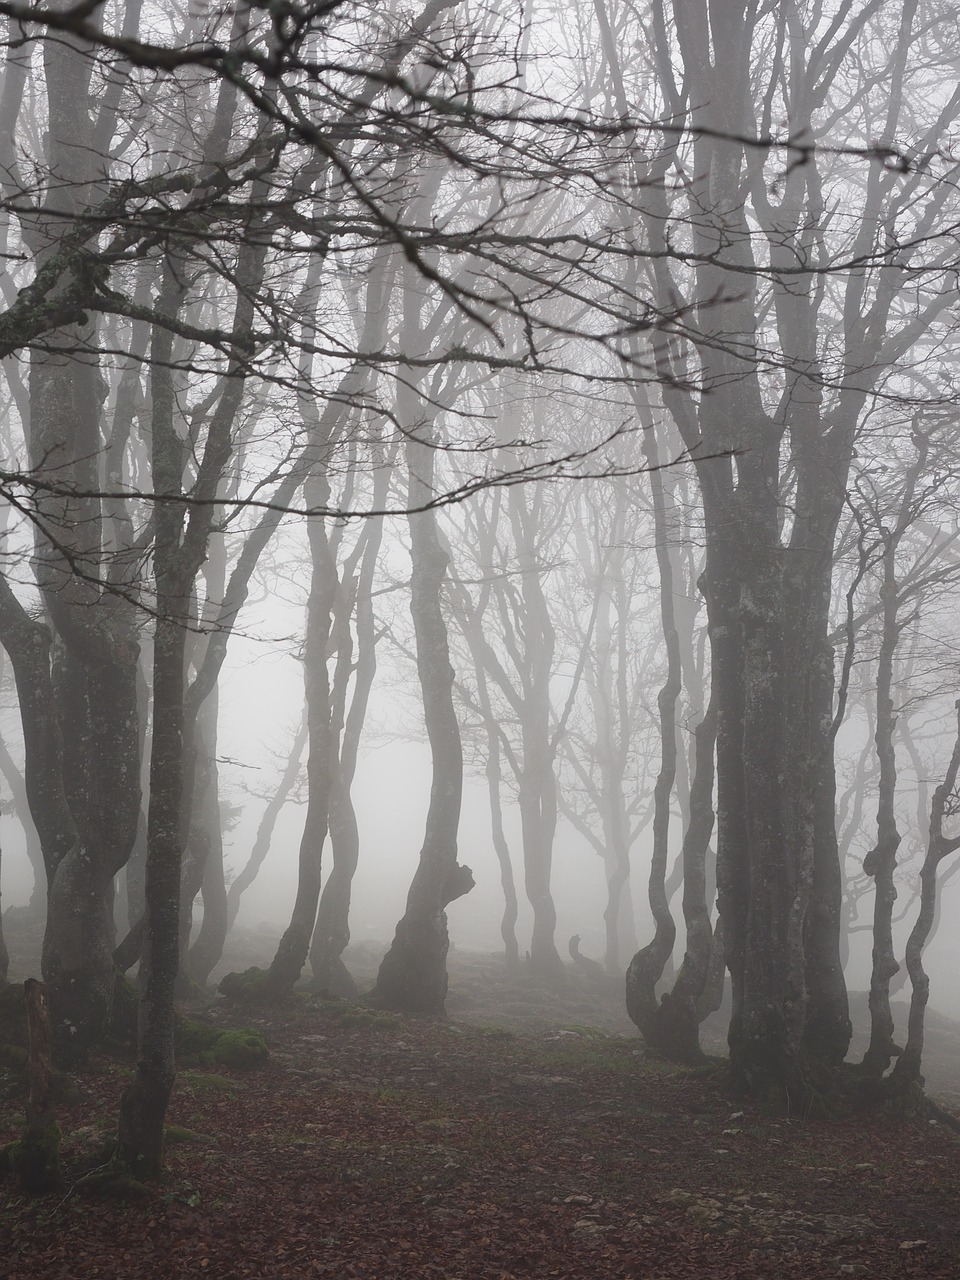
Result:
[
  {"x": 243, "y": 1049},
  {"x": 14, "y": 1059},
  {"x": 358, "y": 1015},
  {"x": 210, "y": 1046},
  {"x": 192, "y": 1039},
  {"x": 34, "y": 1160},
  {"x": 252, "y": 986},
  {"x": 204, "y": 1082}
]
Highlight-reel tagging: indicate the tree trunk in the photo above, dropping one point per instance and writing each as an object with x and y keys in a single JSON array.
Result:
[
  {"x": 143, "y": 1105},
  {"x": 332, "y": 931},
  {"x": 294, "y": 946},
  {"x": 36, "y": 1157},
  {"x": 906, "y": 1078},
  {"x": 678, "y": 1017},
  {"x": 647, "y": 966},
  {"x": 881, "y": 861},
  {"x": 508, "y": 921},
  {"x": 413, "y": 974},
  {"x": 267, "y": 824},
  {"x": 204, "y": 955}
]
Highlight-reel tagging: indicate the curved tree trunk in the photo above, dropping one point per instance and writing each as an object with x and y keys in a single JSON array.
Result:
[
  {"x": 881, "y": 861},
  {"x": 536, "y": 777},
  {"x": 332, "y": 930},
  {"x": 905, "y": 1077},
  {"x": 508, "y": 921},
  {"x": 266, "y": 826},
  {"x": 647, "y": 966},
  {"x": 677, "y": 1020},
  {"x": 203, "y": 957},
  {"x": 413, "y": 974},
  {"x": 291, "y": 955}
]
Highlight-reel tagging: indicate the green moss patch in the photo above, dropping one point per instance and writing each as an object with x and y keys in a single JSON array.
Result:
[
  {"x": 208, "y": 1082},
  {"x": 243, "y": 1049},
  {"x": 34, "y": 1160}
]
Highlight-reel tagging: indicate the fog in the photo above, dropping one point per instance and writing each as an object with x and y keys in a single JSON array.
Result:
[{"x": 559, "y": 422}]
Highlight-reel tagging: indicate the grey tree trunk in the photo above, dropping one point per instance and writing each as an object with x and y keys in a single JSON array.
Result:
[
  {"x": 906, "y": 1078},
  {"x": 881, "y": 861},
  {"x": 267, "y": 824},
  {"x": 647, "y": 966},
  {"x": 413, "y": 974},
  {"x": 677, "y": 1020},
  {"x": 294, "y": 945}
]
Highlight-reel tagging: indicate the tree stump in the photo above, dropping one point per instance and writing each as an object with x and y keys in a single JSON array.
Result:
[
  {"x": 40, "y": 1157},
  {"x": 35, "y": 1159}
]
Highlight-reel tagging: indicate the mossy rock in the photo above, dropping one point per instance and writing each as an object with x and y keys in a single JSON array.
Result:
[
  {"x": 243, "y": 1049},
  {"x": 252, "y": 986},
  {"x": 192, "y": 1039}
]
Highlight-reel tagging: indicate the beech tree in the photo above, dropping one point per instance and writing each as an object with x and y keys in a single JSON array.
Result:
[
  {"x": 795, "y": 325},
  {"x": 235, "y": 246}
]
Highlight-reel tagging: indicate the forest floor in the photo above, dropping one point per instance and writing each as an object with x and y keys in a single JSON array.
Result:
[{"x": 550, "y": 1145}]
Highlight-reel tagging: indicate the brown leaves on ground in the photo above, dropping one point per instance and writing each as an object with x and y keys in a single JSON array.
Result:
[{"x": 375, "y": 1147}]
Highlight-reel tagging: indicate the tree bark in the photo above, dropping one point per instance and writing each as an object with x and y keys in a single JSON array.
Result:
[
  {"x": 906, "y": 1078},
  {"x": 267, "y": 824},
  {"x": 36, "y": 1157},
  {"x": 647, "y": 966},
  {"x": 413, "y": 974}
]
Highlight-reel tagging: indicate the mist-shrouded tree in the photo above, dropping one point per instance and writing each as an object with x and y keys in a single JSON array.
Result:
[
  {"x": 413, "y": 975},
  {"x": 797, "y": 277},
  {"x": 607, "y": 748}
]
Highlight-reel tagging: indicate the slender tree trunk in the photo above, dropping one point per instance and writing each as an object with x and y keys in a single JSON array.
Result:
[
  {"x": 678, "y": 1016},
  {"x": 37, "y": 1158},
  {"x": 508, "y": 921},
  {"x": 413, "y": 973},
  {"x": 267, "y": 824},
  {"x": 294, "y": 946},
  {"x": 881, "y": 861},
  {"x": 906, "y": 1077},
  {"x": 536, "y": 779},
  {"x": 647, "y": 966},
  {"x": 332, "y": 932},
  {"x": 144, "y": 1103},
  {"x": 204, "y": 955}
]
